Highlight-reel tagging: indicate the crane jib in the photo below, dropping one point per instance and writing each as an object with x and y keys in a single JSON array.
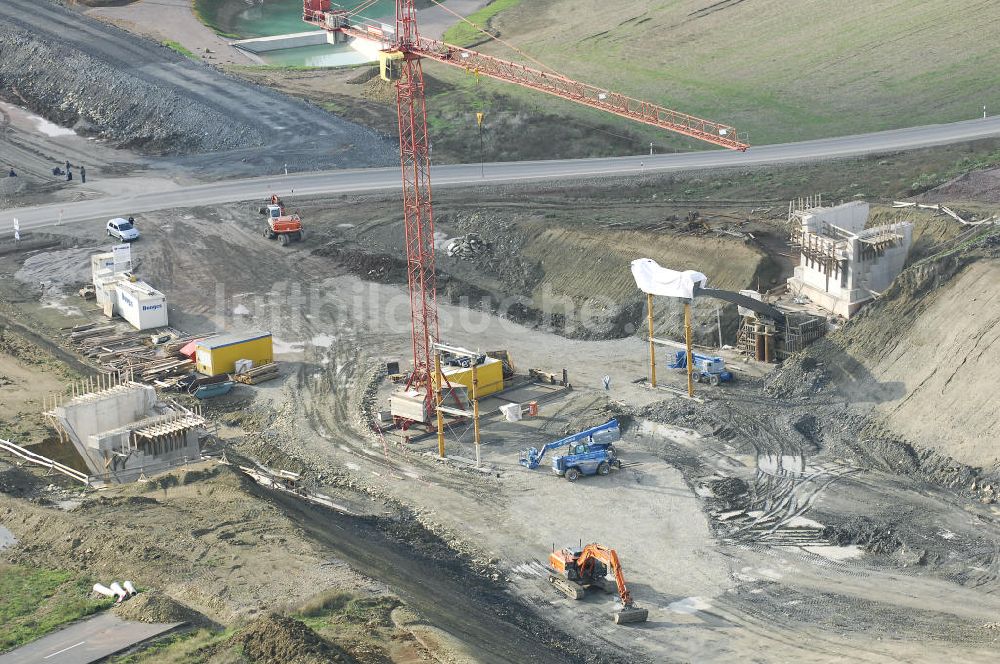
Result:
[{"x": 414, "y": 151}]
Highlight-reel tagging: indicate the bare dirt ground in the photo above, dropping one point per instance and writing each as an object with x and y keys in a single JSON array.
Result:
[
  {"x": 172, "y": 20},
  {"x": 836, "y": 557},
  {"x": 33, "y": 146},
  {"x": 22, "y": 389},
  {"x": 790, "y": 516}
]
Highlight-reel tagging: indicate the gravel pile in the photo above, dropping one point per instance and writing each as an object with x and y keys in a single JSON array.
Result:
[
  {"x": 498, "y": 249},
  {"x": 74, "y": 89},
  {"x": 466, "y": 247}
]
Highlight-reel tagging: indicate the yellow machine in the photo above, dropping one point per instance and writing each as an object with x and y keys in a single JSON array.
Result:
[{"x": 489, "y": 375}]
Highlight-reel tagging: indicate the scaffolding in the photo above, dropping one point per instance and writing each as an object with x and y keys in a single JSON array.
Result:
[{"x": 766, "y": 341}]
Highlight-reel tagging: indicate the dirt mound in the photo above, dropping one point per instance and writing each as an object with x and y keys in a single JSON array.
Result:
[
  {"x": 877, "y": 538},
  {"x": 729, "y": 489},
  {"x": 981, "y": 186},
  {"x": 375, "y": 89},
  {"x": 155, "y": 607},
  {"x": 381, "y": 268},
  {"x": 277, "y": 639}
]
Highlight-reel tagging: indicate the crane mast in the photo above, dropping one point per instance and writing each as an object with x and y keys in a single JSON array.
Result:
[
  {"x": 407, "y": 48},
  {"x": 418, "y": 211}
]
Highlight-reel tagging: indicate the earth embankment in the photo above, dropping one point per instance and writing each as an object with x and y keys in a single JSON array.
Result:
[{"x": 140, "y": 94}]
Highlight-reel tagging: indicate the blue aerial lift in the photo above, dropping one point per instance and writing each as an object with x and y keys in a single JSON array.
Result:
[
  {"x": 592, "y": 452},
  {"x": 709, "y": 369}
]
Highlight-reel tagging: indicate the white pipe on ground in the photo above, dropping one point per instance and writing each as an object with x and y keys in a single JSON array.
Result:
[
  {"x": 118, "y": 590},
  {"x": 130, "y": 588},
  {"x": 103, "y": 590}
]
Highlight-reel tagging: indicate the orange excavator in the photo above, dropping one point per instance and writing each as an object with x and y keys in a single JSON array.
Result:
[
  {"x": 574, "y": 571},
  {"x": 286, "y": 227}
]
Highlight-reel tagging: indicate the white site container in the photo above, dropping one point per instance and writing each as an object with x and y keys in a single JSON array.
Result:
[
  {"x": 104, "y": 290},
  {"x": 140, "y": 304},
  {"x": 100, "y": 265}
]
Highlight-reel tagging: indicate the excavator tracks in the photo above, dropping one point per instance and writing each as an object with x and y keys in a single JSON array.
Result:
[{"x": 568, "y": 588}]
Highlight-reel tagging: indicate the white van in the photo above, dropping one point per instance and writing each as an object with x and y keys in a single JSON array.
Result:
[{"x": 123, "y": 229}]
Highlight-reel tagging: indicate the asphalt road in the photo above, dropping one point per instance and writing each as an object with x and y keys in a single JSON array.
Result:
[
  {"x": 373, "y": 179},
  {"x": 87, "y": 641}
]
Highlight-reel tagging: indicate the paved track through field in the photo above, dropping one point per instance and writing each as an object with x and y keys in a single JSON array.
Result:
[
  {"x": 86, "y": 641},
  {"x": 375, "y": 179}
]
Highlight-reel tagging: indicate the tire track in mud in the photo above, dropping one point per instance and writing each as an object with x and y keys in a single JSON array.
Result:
[{"x": 443, "y": 591}]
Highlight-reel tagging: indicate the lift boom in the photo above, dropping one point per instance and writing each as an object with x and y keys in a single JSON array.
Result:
[{"x": 531, "y": 458}]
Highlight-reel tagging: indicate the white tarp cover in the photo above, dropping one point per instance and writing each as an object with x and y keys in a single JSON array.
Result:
[
  {"x": 656, "y": 280},
  {"x": 511, "y": 412}
]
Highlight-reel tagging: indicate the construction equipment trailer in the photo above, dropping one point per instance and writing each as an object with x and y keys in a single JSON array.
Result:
[
  {"x": 575, "y": 570},
  {"x": 592, "y": 453}
]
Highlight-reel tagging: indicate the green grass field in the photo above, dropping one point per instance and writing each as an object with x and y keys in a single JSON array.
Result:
[
  {"x": 782, "y": 71},
  {"x": 463, "y": 34},
  {"x": 37, "y": 601}
]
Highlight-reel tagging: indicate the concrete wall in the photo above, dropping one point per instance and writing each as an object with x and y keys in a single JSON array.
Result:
[
  {"x": 151, "y": 457},
  {"x": 850, "y": 217},
  {"x": 861, "y": 277},
  {"x": 814, "y": 278},
  {"x": 104, "y": 411},
  {"x": 85, "y": 417},
  {"x": 877, "y": 275},
  {"x": 280, "y": 42}
]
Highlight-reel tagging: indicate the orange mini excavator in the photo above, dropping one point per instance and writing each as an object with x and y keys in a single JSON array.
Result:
[
  {"x": 574, "y": 571},
  {"x": 286, "y": 227}
]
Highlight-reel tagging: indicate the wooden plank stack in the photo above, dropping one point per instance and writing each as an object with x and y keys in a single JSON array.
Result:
[
  {"x": 259, "y": 374},
  {"x": 132, "y": 353}
]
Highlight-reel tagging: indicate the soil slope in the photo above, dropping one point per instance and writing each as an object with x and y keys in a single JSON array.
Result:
[
  {"x": 922, "y": 359},
  {"x": 945, "y": 358},
  {"x": 78, "y": 71}
]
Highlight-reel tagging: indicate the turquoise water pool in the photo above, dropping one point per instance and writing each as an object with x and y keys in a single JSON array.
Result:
[
  {"x": 280, "y": 17},
  {"x": 320, "y": 56}
]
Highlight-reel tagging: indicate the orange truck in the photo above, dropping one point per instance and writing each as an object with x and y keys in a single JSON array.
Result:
[{"x": 285, "y": 227}]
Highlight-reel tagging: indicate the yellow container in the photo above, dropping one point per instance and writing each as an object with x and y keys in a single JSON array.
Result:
[
  {"x": 489, "y": 375},
  {"x": 218, "y": 355}
]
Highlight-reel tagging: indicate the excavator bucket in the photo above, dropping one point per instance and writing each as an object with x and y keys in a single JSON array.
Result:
[{"x": 631, "y": 615}]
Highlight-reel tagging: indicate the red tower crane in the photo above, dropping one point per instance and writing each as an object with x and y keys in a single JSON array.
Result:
[{"x": 404, "y": 45}]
